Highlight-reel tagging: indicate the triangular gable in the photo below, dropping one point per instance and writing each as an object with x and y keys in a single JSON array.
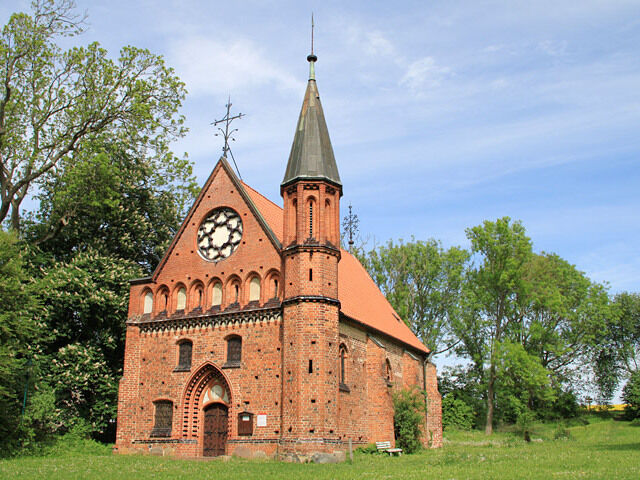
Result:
[{"x": 239, "y": 185}]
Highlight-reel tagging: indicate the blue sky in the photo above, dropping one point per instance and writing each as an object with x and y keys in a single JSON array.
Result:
[{"x": 441, "y": 114}]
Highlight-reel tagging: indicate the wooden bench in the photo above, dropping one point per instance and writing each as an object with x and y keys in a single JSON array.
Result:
[{"x": 386, "y": 447}]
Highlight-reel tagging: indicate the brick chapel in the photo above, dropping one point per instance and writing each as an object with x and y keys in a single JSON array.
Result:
[{"x": 258, "y": 333}]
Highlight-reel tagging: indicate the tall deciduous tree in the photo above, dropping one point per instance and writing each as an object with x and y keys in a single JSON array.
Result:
[
  {"x": 422, "y": 281},
  {"x": 52, "y": 101},
  {"x": 495, "y": 288}
]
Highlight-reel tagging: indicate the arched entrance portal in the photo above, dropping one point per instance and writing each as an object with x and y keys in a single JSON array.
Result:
[
  {"x": 216, "y": 422},
  {"x": 207, "y": 400}
]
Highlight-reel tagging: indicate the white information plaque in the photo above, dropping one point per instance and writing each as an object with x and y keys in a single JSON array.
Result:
[{"x": 262, "y": 421}]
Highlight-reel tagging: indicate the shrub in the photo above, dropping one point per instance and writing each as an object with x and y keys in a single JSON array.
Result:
[
  {"x": 369, "y": 449},
  {"x": 631, "y": 396},
  {"x": 561, "y": 432},
  {"x": 409, "y": 415},
  {"x": 456, "y": 413}
]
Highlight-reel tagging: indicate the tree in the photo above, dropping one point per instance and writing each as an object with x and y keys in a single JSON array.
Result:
[
  {"x": 617, "y": 353},
  {"x": 564, "y": 313},
  {"x": 422, "y": 281},
  {"x": 631, "y": 396},
  {"x": 113, "y": 202},
  {"x": 52, "y": 101},
  {"x": 18, "y": 331},
  {"x": 494, "y": 291}
]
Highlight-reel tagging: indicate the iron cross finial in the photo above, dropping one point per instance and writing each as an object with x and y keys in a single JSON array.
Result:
[
  {"x": 350, "y": 224},
  {"x": 226, "y": 133}
]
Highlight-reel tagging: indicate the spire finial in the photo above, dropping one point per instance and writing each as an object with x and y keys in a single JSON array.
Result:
[{"x": 312, "y": 59}]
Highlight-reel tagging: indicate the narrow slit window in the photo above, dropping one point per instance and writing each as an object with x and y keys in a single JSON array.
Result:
[
  {"x": 310, "y": 366},
  {"x": 311, "y": 274},
  {"x": 311, "y": 220}
]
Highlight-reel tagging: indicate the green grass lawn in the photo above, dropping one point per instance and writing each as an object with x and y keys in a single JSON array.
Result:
[{"x": 603, "y": 449}]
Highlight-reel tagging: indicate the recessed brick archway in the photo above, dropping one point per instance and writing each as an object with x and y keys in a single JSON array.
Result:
[{"x": 193, "y": 396}]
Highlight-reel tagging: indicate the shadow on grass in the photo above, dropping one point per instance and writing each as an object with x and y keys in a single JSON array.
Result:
[{"x": 621, "y": 447}]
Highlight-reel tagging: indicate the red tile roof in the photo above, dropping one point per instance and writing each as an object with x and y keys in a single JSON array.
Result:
[
  {"x": 359, "y": 296},
  {"x": 271, "y": 212}
]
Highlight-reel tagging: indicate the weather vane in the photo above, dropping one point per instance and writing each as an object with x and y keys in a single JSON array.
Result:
[
  {"x": 350, "y": 224},
  {"x": 226, "y": 133}
]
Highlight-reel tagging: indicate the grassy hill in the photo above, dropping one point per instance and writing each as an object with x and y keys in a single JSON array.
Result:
[{"x": 604, "y": 449}]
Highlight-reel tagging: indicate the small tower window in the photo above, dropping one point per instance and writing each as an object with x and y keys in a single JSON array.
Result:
[
  {"x": 310, "y": 219},
  {"x": 163, "y": 418},
  {"x": 343, "y": 369},
  {"x": 184, "y": 355},
  {"x": 148, "y": 303},
  {"x": 236, "y": 289}
]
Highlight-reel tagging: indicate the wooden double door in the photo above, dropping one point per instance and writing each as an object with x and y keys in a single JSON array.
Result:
[{"x": 216, "y": 422}]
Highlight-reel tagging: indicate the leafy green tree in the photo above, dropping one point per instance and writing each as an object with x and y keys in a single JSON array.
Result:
[
  {"x": 564, "y": 313},
  {"x": 52, "y": 101},
  {"x": 457, "y": 413},
  {"x": 85, "y": 301},
  {"x": 631, "y": 396},
  {"x": 522, "y": 382},
  {"x": 617, "y": 353},
  {"x": 495, "y": 289},
  {"x": 18, "y": 331},
  {"x": 422, "y": 281},
  {"x": 113, "y": 202}
]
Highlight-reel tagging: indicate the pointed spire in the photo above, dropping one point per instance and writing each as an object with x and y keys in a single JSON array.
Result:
[{"x": 311, "y": 156}]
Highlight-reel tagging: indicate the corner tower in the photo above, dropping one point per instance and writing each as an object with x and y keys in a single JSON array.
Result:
[{"x": 311, "y": 190}]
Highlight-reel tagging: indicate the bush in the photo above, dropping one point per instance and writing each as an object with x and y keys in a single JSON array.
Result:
[
  {"x": 631, "y": 396},
  {"x": 456, "y": 413},
  {"x": 368, "y": 449},
  {"x": 409, "y": 415},
  {"x": 561, "y": 432}
]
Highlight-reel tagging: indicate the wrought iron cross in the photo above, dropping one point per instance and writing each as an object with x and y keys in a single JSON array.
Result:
[
  {"x": 226, "y": 133},
  {"x": 350, "y": 224}
]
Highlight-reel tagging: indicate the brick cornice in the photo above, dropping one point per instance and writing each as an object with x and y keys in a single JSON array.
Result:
[
  {"x": 312, "y": 247},
  {"x": 311, "y": 299},
  {"x": 150, "y": 324}
]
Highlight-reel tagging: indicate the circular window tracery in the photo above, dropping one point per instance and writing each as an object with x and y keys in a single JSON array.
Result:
[{"x": 219, "y": 234}]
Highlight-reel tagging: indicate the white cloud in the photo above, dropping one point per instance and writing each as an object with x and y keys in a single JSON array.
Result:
[
  {"x": 377, "y": 44},
  {"x": 209, "y": 66},
  {"x": 424, "y": 73}
]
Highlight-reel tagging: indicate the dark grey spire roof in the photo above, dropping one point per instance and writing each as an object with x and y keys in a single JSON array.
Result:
[{"x": 311, "y": 154}]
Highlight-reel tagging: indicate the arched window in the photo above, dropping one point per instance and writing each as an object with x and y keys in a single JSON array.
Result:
[
  {"x": 184, "y": 355},
  {"x": 163, "y": 300},
  {"x": 216, "y": 295},
  {"x": 342, "y": 369},
  {"x": 254, "y": 289},
  {"x": 388, "y": 374},
  {"x": 311, "y": 213},
  {"x": 163, "y": 418},
  {"x": 182, "y": 299},
  {"x": 328, "y": 221},
  {"x": 198, "y": 295},
  {"x": 234, "y": 351},
  {"x": 343, "y": 355},
  {"x": 148, "y": 303}
]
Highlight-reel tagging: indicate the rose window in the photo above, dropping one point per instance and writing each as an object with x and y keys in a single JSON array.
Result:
[{"x": 220, "y": 234}]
